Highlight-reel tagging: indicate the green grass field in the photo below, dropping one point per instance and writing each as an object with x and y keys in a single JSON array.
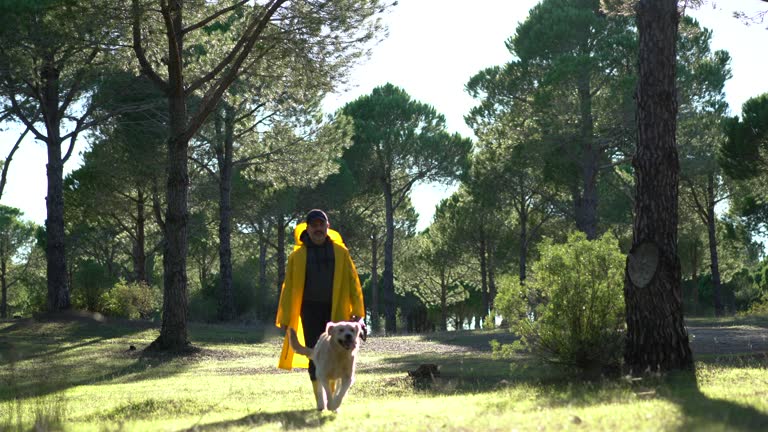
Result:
[{"x": 79, "y": 375}]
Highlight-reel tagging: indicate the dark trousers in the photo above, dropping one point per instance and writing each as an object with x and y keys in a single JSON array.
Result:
[{"x": 314, "y": 317}]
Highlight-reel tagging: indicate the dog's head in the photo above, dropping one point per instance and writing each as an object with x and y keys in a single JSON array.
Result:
[{"x": 344, "y": 333}]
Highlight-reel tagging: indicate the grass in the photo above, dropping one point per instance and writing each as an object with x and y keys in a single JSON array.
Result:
[{"x": 80, "y": 375}]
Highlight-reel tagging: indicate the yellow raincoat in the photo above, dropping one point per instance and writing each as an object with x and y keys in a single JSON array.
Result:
[{"x": 347, "y": 297}]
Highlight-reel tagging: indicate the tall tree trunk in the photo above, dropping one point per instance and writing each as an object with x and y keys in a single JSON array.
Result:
[
  {"x": 388, "y": 287},
  {"x": 656, "y": 335},
  {"x": 4, "y": 285},
  {"x": 139, "y": 247},
  {"x": 443, "y": 305},
  {"x": 173, "y": 332},
  {"x": 523, "y": 244},
  {"x": 586, "y": 218},
  {"x": 224, "y": 154},
  {"x": 375, "y": 322},
  {"x": 491, "y": 281},
  {"x": 263, "y": 288},
  {"x": 56, "y": 267},
  {"x": 695, "y": 278},
  {"x": 712, "y": 234},
  {"x": 484, "y": 275}
]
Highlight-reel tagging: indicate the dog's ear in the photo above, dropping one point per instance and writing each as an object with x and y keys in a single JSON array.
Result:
[{"x": 329, "y": 327}]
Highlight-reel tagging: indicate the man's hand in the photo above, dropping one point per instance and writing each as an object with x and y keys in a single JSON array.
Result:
[{"x": 360, "y": 321}]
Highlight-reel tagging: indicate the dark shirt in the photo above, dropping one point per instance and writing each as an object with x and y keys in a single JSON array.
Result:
[{"x": 318, "y": 285}]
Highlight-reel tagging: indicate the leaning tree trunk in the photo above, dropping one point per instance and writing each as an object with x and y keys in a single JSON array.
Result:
[
  {"x": 56, "y": 267},
  {"x": 224, "y": 156},
  {"x": 586, "y": 215},
  {"x": 656, "y": 335},
  {"x": 717, "y": 285},
  {"x": 388, "y": 287}
]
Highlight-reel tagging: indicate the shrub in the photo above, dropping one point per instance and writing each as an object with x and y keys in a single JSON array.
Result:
[
  {"x": 133, "y": 300},
  {"x": 90, "y": 282},
  {"x": 757, "y": 308},
  {"x": 571, "y": 310}
]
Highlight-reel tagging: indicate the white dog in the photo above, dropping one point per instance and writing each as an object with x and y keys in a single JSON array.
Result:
[{"x": 334, "y": 358}]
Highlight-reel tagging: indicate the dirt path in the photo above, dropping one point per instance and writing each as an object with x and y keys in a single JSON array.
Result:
[
  {"x": 740, "y": 339},
  {"x": 728, "y": 340}
]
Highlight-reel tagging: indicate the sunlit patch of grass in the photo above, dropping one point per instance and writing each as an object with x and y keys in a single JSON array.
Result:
[{"x": 82, "y": 376}]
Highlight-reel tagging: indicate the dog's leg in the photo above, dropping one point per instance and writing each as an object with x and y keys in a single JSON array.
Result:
[
  {"x": 335, "y": 403},
  {"x": 317, "y": 386},
  {"x": 324, "y": 394}
]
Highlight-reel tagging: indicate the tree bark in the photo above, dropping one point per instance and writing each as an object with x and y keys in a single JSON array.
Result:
[
  {"x": 443, "y": 305},
  {"x": 712, "y": 235},
  {"x": 4, "y": 284},
  {"x": 523, "y": 245},
  {"x": 173, "y": 332},
  {"x": 139, "y": 247},
  {"x": 491, "y": 282},
  {"x": 375, "y": 322},
  {"x": 56, "y": 267},
  {"x": 224, "y": 156},
  {"x": 656, "y": 335},
  {"x": 484, "y": 276},
  {"x": 586, "y": 209},
  {"x": 388, "y": 287},
  {"x": 263, "y": 288},
  {"x": 281, "y": 225}
]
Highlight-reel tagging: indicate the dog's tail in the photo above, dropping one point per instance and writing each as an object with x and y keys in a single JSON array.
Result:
[{"x": 298, "y": 347}]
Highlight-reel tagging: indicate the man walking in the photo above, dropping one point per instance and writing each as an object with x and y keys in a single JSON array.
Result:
[{"x": 321, "y": 285}]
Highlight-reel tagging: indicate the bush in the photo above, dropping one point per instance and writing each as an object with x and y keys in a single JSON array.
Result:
[
  {"x": 758, "y": 308},
  {"x": 133, "y": 300},
  {"x": 89, "y": 285},
  {"x": 572, "y": 310}
]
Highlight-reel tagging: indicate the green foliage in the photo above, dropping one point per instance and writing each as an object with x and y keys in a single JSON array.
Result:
[
  {"x": 132, "y": 300},
  {"x": 743, "y": 154},
  {"x": 89, "y": 285},
  {"x": 572, "y": 310},
  {"x": 757, "y": 308}
]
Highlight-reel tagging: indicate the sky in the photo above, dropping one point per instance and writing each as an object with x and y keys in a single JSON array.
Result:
[{"x": 433, "y": 48}]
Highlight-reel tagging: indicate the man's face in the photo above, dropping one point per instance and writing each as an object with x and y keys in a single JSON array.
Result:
[{"x": 318, "y": 231}]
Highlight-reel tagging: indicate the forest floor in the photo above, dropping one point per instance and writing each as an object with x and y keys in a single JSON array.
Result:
[{"x": 78, "y": 373}]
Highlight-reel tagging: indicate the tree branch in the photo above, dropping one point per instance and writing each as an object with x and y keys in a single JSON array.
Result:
[
  {"x": 7, "y": 162},
  {"x": 78, "y": 79},
  {"x": 237, "y": 57},
  {"x": 145, "y": 66},
  {"x": 205, "y": 21}
]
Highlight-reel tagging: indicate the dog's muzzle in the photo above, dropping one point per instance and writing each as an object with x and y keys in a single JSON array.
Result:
[{"x": 348, "y": 342}]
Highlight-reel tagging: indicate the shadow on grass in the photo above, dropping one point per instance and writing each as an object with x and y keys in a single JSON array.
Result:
[
  {"x": 705, "y": 413},
  {"x": 475, "y": 340},
  {"x": 288, "y": 420},
  {"x": 557, "y": 386},
  {"x": 49, "y": 354}
]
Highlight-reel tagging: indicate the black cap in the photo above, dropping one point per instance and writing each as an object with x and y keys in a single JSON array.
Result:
[{"x": 316, "y": 214}]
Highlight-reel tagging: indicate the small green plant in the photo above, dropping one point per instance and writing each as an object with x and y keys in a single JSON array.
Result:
[
  {"x": 132, "y": 300},
  {"x": 757, "y": 308},
  {"x": 571, "y": 310}
]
